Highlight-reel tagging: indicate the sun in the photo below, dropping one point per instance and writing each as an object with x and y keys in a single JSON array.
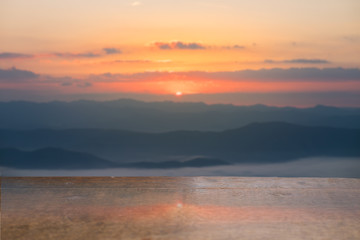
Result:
[{"x": 178, "y": 93}]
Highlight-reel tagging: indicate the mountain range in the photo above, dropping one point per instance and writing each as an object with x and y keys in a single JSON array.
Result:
[
  {"x": 56, "y": 158},
  {"x": 132, "y": 115},
  {"x": 255, "y": 143}
]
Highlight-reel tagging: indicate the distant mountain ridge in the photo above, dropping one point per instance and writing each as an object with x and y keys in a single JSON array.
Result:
[
  {"x": 140, "y": 116},
  {"x": 254, "y": 143},
  {"x": 51, "y": 158},
  {"x": 55, "y": 158},
  {"x": 196, "y": 162}
]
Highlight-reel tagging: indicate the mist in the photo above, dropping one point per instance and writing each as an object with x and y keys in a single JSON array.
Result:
[{"x": 305, "y": 167}]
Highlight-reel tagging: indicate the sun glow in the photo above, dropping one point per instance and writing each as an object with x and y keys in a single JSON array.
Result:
[{"x": 178, "y": 93}]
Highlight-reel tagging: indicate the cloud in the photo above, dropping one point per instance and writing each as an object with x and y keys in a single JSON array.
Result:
[
  {"x": 135, "y": 77},
  {"x": 291, "y": 74},
  {"x": 236, "y": 46},
  {"x": 269, "y": 61},
  {"x": 11, "y": 55},
  {"x": 192, "y": 46},
  {"x": 106, "y": 51},
  {"x": 132, "y": 61},
  {"x": 352, "y": 38},
  {"x": 162, "y": 45},
  {"x": 164, "y": 61},
  {"x": 139, "y": 61},
  {"x": 112, "y": 50},
  {"x": 262, "y": 75},
  {"x": 182, "y": 45},
  {"x": 78, "y": 55},
  {"x": 14, "y": 74},
  {"x": 311, "y": 61},
  {"x": 84, "y": 84},
  {"x": 67, "y": 81},
  {"x": 273, "y": 74},
  {"x": 62, "y": 81},
  {"x": 299, "y": 60},
  {"x": 65, "y": 84},
  {"x": 178, "y": 45}
]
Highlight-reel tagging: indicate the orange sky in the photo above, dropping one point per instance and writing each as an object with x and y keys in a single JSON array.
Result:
[{"x": 71, "y": 45}]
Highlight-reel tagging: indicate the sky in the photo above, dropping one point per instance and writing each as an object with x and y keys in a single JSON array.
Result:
[{"x": 279, "y": 52}]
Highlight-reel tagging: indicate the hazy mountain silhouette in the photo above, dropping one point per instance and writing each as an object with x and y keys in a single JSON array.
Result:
[
  {"x": 55, "y": 158},
  {"x": 196, "y": 162},
  {"x": 51, "y": 158},
  {"x": 164, "y": 116},
  {"x": 257, "y": 142}
]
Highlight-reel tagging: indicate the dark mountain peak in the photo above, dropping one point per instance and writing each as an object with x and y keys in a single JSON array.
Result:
[
  {"x": 261, "y": 107},
  {"x": 325, "y": 108}
]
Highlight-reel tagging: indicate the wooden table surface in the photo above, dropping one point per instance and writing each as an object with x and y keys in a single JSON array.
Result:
[{"x": 147, "y": 208}]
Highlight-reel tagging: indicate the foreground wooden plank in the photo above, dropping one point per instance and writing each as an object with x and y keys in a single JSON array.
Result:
[{"x": 180, "y": 208}]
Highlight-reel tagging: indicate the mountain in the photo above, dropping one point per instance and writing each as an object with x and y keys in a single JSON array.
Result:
[
  {"x": 196, "y": 162},
  {"x": 257, "y": 142},
  {"x": 51, "y": 158},
  {"x": 55, "y": 158},
  {"x": 139, "y": 116}
]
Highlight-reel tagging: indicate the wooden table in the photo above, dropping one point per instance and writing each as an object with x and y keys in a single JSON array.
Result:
[{"x": 179, "y": 208}]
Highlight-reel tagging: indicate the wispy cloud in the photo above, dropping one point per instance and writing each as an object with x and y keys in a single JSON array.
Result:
[
  {"x": 291, "y": 74},
  {"x": 12, "y": 55},
  {"x": 84, "y": 84},
  {"x": 138, "y": 61},
  {"x": 77, "y": 55},
  {"x": 178, "y": 45},
  {"x": 65, "y": 84},
  {"x": 193, "y": 46},
  {"x": 340, "y": 86},
  {"x": 131, "y": 61},
  {"x": 67, "y": 81},
  {"x": 236, "y": 46},
  {"x": 112, "y": 50},
  {"x": 164, "y": 61},
  {"x": 261, "y": 75},
  {"x": 16, "y": 75},
  {"x": 105, "y": 51},
  {"x": 299, "y": 60},
  {"x": 352, "y": 38}
]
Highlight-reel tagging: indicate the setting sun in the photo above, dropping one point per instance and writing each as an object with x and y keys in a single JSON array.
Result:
[{"x": 258, "y": 58}]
